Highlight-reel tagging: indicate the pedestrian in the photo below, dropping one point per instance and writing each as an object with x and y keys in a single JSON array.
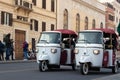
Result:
[
  {"x": 7, "y": 45},
  {"x": 2, "y": 48},
  {"x": 12, "y": 49},
  {"x": 25, "y": 50}
]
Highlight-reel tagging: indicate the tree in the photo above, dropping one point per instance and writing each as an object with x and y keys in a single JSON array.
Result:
[{"x": 118, "y": 29}]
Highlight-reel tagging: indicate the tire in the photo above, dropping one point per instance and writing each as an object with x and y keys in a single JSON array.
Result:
[
  {"x": 43, "y": 66},
  {"x": 84, "y": 68},
  {"x": 115, "y": 69}
]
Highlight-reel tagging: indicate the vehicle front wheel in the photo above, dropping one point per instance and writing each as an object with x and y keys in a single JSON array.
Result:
[
  {"x": 84, "y": 68},
  {"x": 43, "y": 66}
]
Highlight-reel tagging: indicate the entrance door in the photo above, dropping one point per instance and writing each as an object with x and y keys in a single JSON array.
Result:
[{"x": 19, "y": 39}]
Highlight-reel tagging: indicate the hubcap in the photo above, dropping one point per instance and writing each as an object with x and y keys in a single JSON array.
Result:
[
  {"x": 44, "y": 65},
  {"x": 85, "y": 68}
]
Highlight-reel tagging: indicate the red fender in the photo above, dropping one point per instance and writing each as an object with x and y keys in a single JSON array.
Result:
[{"x": 63, "y": 57}]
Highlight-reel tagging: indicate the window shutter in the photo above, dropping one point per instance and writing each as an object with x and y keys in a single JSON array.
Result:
[
  {"x": 10, "y": 19},
  {"x": 36, "y": 25},
  {"x": 31, "y": 24},
  {"x": 34, "y": 2},
  {"x": 43, "y": 26},
  {"x": 2, "y": 17}
]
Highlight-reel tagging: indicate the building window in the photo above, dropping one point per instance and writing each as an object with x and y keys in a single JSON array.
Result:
[
  {"x": 52, "y": 5},
  {"x": 6, "y": 18},
  {"x": 77, "y": 22},
  {"x": 43, "y": 26},
  {"x": 34, "y": 24},
  {"x": 44, "y": 4},
  {"x": 52, "y": 27},
  {"x": 86, "y": 23},
  {"x": 101, "y": 25},
  {"x": 65, "y": 24},
  {"x": 93, "y": 24},
  {"x": 111, "y": 17},
  {"x": 25, "y": 19},
  {"x": 31, "y": 24},
  {"x": 34, "y": 2}
]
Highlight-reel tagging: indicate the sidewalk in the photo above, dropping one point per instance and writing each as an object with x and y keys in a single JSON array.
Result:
[
  {"x": 17, "y": 61},
  {"x": 112, "y": 77}
]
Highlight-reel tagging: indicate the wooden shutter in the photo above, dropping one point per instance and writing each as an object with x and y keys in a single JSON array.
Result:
[
  {"x": 36, "y": 25},
  {"x": 34, "y": 2},
  {"x": 43, "y": 26},
  {"x": 31, "y": 24},
  {"x": 10, "y": 19},
  {"x": 2, "y": 17}
]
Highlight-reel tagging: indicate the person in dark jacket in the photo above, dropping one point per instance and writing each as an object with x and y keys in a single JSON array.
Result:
[
  {"x": 12, "y": 49},
  {"x": 7, "y": 45},
  {"x": 2, "y": 48},
  {"x": 25, "y": 50}
]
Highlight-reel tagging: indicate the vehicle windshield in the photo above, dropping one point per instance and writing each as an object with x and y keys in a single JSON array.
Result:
[
  {"x": 49, "y": 37},
  {"x": 90, "y": 37}
]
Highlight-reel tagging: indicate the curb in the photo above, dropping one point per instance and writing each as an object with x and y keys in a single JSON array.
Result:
[{"x": 17, "y": 61}]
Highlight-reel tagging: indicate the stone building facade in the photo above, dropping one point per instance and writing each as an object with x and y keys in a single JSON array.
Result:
[
  {"x": 26, "y": 19},
  {"x": 81, "y": 14}
]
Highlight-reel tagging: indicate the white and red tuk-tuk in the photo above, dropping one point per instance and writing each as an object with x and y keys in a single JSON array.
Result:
[
  {"x": 55, "y": 48},
  {"x": 96, "y": 49}
]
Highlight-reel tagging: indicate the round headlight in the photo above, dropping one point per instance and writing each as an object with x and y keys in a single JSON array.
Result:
[
  {"x": 96, "y": 52},
  {"x": 53, "y": 50},
  {"x": 76, "y": 51}
]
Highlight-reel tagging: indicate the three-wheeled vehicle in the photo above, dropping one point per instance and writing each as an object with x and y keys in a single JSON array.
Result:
[
  {"x": 55, "y": 48},
  {"x": 96, "y": 49}
]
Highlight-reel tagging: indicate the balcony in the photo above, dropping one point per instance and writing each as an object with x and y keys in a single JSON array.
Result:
[{"x": 21, "y": 4}]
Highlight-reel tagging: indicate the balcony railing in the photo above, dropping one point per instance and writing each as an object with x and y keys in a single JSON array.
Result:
[{"x": 23, "y": 4}]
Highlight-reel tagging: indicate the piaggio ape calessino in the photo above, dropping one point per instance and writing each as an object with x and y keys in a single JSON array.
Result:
[
  {"x": 96, "y": 49},
  {"x": 55, "y": 48}
]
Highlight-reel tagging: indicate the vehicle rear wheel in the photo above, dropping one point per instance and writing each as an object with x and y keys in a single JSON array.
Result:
[
  {"x": 84, "y": 68},
  {"x": 43, "y": 66},
  {"x": 115, "y": 68}
]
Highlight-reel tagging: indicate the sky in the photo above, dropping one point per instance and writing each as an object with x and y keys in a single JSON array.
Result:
[{"x": 106, "y": 0}]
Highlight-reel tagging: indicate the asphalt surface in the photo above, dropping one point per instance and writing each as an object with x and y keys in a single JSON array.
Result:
[{"x": 111, "y": 77}]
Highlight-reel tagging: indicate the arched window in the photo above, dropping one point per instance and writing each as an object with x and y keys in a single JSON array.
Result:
[
  {"x": 65, "y": 23},
  {"x": 101, "y": 25},
  {"x": 77, "y": 22},
  {"x": 86, "y": 23},
  {"x": 93, "y": 24}
]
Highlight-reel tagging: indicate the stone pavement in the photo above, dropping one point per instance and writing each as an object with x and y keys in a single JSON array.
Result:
[{"x": 112, "y": 77}]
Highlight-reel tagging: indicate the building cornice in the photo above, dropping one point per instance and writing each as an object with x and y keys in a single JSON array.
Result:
[{"x": 90, "y": 6}]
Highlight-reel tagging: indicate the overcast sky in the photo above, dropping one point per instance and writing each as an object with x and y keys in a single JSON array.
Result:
[{"x": 106, "y": 0}]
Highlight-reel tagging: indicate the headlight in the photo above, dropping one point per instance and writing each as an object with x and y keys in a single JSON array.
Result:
[
  {"x": 53, "y": 50},
  {"x": 76, "y": 51},
  {"x": 96, "y": 52}
]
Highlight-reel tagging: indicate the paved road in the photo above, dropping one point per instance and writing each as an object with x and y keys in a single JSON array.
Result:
[{"x": 29, "y": 71}]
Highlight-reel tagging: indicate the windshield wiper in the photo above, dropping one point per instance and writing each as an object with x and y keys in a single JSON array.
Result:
[
  {"x": 83, "y": 40},
  {"x": 44, "y": 41}
]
